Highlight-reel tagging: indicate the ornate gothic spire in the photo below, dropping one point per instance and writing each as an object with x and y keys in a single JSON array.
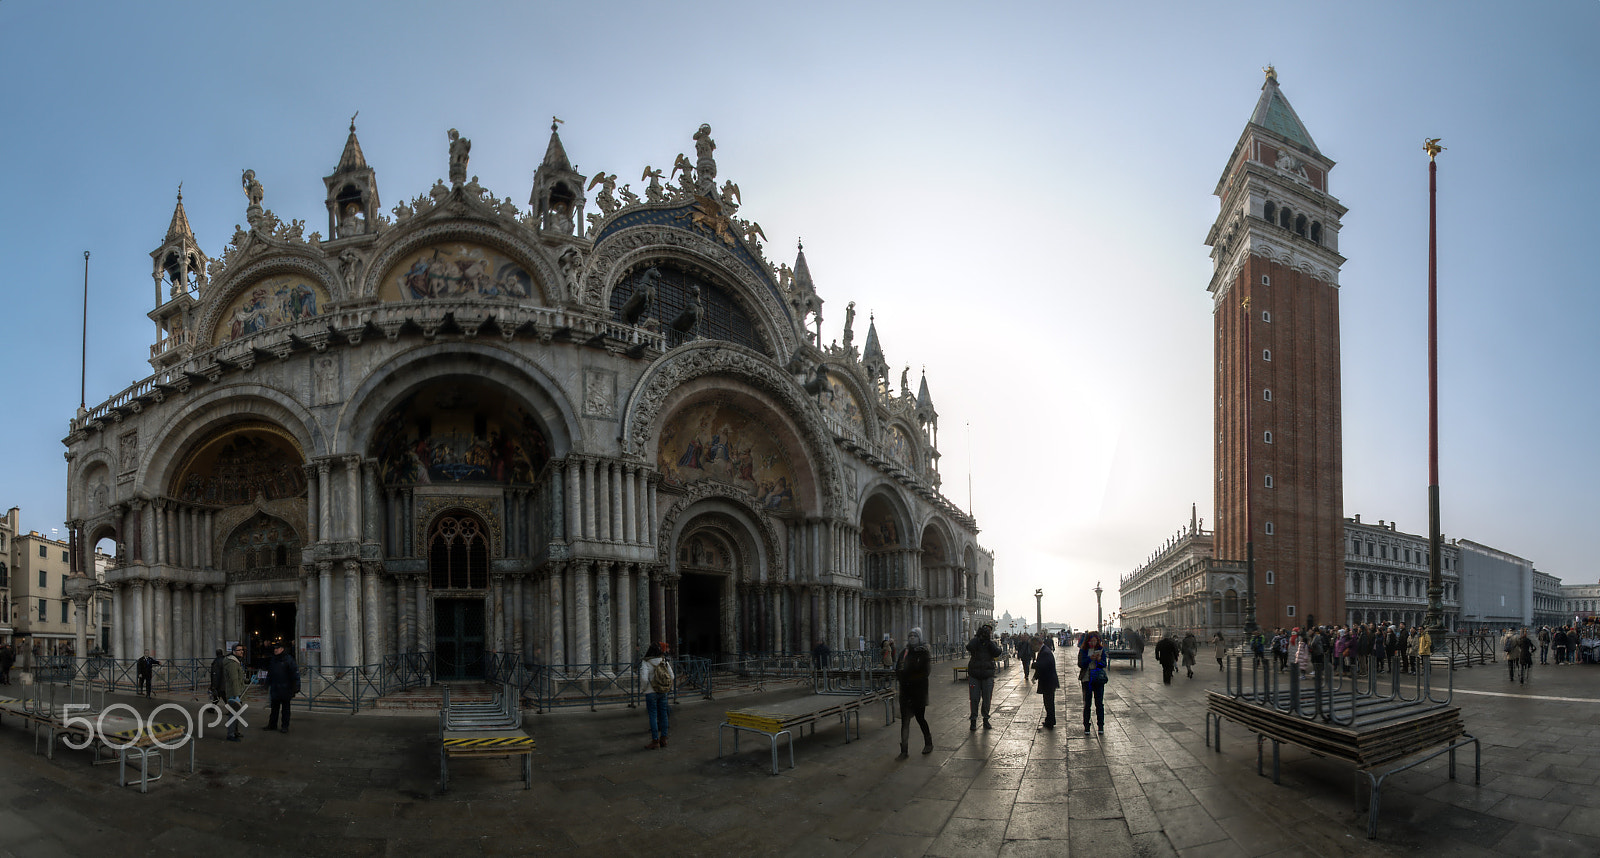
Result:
[
  {"x": 925, "y": 401},
  {"x": 179, "y": 229},
  {"x": 557, "y": 196},
  {"x": 872, "y": 353},
  {"x": 353, "y": 205}
]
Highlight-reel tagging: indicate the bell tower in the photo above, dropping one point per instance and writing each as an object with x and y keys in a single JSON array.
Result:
[
  {"x": 1275, "y": 285},
  {"x": 180, "y": 265},
  {"x": 352, "y": 193},
  {"x": 557, "y": 198}
]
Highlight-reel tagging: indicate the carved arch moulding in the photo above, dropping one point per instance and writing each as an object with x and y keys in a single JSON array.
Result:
[
  {"x": 698, "y": 492},
  {"x": 643, "y": 410}
]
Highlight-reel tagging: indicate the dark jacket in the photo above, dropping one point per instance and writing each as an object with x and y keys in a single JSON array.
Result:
[
  {"x": 912, "y": 671},
  {"x": 216, "y": 673},
  {"x": 1024, "y": 649},
  {"x": 984, "y": 651},
  {"x": 145, "y": 665},
  {"x": 1166, "y": 652},
  {"x": 1044, "y": 670},
  {"x": 283, "y": 677},
  {"x": 1190, "y": 648}
]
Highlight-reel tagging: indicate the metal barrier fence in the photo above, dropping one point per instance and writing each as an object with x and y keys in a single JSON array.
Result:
[
  {"x": 554, "y": 686},
  {"x": 1343, "y": 691}
]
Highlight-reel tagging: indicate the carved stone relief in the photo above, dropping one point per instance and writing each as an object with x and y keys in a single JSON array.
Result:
[{"x": 599, "y": 393}]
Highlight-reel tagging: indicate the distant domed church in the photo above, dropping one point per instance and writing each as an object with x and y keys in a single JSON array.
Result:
[{"x": 557, "y": 433}]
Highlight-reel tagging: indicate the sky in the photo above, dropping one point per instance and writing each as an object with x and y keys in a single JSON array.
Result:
[{"x": 1019, "y": 192}]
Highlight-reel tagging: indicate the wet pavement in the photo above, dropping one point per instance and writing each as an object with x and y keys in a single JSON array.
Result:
[{"x": 369, "y": 785}]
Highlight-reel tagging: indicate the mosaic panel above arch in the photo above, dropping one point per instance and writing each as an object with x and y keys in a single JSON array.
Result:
[
  {"x": 899, "y": 444},
  {"x": 840, "y": 402},
  {"x": 714, "y": 441},
  {"x": 880, "y": 526},
  {"x": 240, "y": 464},
  {"x": 455, "y": 270},
  {"x": 267, "y": 303},
  {"x": 459, "y": 430}
]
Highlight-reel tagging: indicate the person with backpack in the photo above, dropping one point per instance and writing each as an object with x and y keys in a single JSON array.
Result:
[
  {"x": 658, "y": 672},
  {"x": 911, "y": 670}
]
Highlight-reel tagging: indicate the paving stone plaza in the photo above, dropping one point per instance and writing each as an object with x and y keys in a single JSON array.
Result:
[{"x": 369, "y": 785}]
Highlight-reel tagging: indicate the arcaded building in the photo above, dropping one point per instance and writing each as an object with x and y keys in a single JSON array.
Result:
[{"x": 562, "y": 431}]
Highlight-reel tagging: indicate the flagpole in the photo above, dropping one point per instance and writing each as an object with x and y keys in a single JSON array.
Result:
[
  {"x": 1435, "y": 616},
  {"x": 83, "y": 374}
]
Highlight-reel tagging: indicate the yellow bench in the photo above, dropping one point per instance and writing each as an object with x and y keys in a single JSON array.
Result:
[
  {"x": 960, "y": 673},
  {"x": 499, "y": 744}
]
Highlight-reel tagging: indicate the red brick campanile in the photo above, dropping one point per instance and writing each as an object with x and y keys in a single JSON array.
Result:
[{"x": 1276, "y": 242}]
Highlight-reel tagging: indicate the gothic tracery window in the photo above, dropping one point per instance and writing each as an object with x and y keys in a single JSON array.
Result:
[{"x": 458, "y": 553}]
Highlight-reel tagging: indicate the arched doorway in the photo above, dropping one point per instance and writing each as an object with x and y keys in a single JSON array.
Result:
[
  {"x": 716, "y": 619},
  {"x": 458, "y": 576}
]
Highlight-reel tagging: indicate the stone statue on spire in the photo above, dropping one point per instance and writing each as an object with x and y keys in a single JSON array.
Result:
[
  {"x": 705, "y": 166},
  {"x": 460, "y": 147}
]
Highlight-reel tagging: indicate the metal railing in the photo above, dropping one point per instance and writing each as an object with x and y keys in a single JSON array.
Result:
[{"x": 1343, "y": 691}]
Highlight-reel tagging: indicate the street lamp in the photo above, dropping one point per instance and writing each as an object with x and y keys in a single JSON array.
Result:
[
  {"x": 1038, "y": 611},
  {"x": 1099, "y": 625}
]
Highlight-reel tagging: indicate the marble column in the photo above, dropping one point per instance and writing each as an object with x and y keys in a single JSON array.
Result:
[
  {"x": 161, "y": 619},
  {"x": 313, "y": 505},
  {"x": 352, "y": 613},
  {"x": 309, "y": 617},
  {"x": 581, "y": 573},
  {"x": 641, "y": 613},
  {"x": 351, "y": 512},
  {"x": 180, "y": 611},
  {"x": 324, "y": 501},
  {"x": 495, "y": 622},
  {"x": 574, "y": 517},
  {"x": 614, "y": 477},
  {"x": 118, "y": 624},
  {"x": 519, "y": 603},
  {"x": 630, "y": 504},
  {"x": 591, "y": 528},
  {"x": 405, "y": 638},
  {"x": 624, "y": 602},
  {"x": 602, "y": 612},
  {"x": 372, "y": 606},
  {"x": 325, "y": 612},
  {"x": 422, "y": 619},
  {"x": 371, "y": 507},
  {"x": 555, "y": 648}
]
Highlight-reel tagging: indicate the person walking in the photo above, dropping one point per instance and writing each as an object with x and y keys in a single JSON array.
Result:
[
  {"x": 1092, "y": 675},
  {"x": 657, "y": 671},
  {"x": 1302, "y": 653},
  {"x": 981, "y": 651},
  {"x": 144, "y": 672},
  {"x": 283, "y": 683},
  {"x": 8, "y": 657},
  {"x": 1044, "y": 670},
  {"x": 819, "y": 655},
  {"x": 1220, "y": 643},
  {"x": 1544, "y": 645},
  {"x": 1524, "y": 654},
  {"x": 233, "y": 689},
  {"x": 1508, "y": 645},
  {"x": 911, "y": 671},
  {"x": 1167, "y": 654},
  {"x": 1559, "y": 639},
  {"x": 886, "y": 651},
  {"x": 1190, "y": 648},
  {"x": 216, "y": 677},
  {"x": 1025, "y": 655}
]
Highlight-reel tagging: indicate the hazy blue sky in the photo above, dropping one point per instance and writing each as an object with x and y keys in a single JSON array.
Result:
[{"x": 1020, "y": 192}]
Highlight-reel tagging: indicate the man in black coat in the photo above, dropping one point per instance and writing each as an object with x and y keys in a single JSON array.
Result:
[
  {"x": 1025, "y": 653},
  {"x": 1167, "y": 654},
  {"x": 283, "y": 683},
  {"x": 144, "y": 673},
  {"x": 1044, "y": 670},
  {"x": 217, "y": 680},
  {"x": 911, "y": 670}
]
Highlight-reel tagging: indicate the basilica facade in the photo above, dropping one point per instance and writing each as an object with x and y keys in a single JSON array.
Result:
[{"x": 460, "y": 426}]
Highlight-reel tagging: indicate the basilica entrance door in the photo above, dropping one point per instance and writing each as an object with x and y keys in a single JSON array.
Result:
[
  {"x": 700, "y": 614},
  {"x": 458, "y": 638}
]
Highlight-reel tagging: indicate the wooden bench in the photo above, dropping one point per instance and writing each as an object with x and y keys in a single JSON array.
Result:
[{"x": 786, "y": 718}]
